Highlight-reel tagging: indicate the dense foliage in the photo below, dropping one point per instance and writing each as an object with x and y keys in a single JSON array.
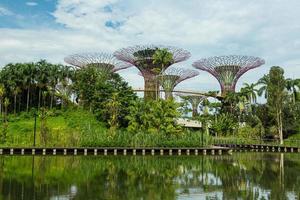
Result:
[
  {"x": 241, "y": 116},
  {"x": 108, "y": 97},
  {"x": 94, "y": 107},
  {"x": 154, "y": 117}
]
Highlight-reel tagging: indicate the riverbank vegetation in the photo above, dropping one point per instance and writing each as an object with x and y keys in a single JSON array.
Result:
[{"x": 89, "y": 107}]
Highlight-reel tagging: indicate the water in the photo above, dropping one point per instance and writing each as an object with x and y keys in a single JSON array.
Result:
[{"x": 237, "y": 176}]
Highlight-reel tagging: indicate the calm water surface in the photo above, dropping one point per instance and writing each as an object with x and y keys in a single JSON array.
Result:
[{"x": 239, "y": 176}]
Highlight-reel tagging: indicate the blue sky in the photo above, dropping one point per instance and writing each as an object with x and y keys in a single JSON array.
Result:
[
  {"x": 28, "y": 14},
  {"x": 52, "y": 29}
]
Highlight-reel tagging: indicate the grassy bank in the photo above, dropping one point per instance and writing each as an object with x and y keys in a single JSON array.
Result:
[
  {"x": 80, "y": 128},
  {"x": 76, "y": 127}
]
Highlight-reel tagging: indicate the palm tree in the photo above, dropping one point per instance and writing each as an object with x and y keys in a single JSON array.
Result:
[
  {"x": 293, "y": 86},
  {"x": 41, "y": 78},
  {"x": 162, "y": 57},
  {"x": 53, "y": 80},
  {"x": 28, "y": 71},
  {"x": 16, "y": 91},
  {"x": 263, "y": 82},
  {"x": 250, "y": 92}
]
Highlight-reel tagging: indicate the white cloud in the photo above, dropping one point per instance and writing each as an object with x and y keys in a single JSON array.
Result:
[
  {"x": 269, "y": 29},
  {"x": 31, "y": 3},
  {"x": 5, "y": 11}
]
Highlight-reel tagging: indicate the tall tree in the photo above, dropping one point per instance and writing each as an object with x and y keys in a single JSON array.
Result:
[
  {"x": 28, "y": 71},
  {"x": 275, "y": 96},
  {"x": 16, "y": 92},
  {"x": 42, "y": 77},
  {"x": 53, "y": 81}
]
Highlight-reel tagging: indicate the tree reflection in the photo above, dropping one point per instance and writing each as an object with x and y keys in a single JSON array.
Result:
[{"x": 239, "y": 176}]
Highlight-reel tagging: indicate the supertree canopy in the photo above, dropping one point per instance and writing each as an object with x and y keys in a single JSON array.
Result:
[
  {"x": 228, "y": 69},
  {"x": 194, "y": 100},
  {"x": 151, "y": 60},
  {"x": 102, "y": 61},
  {"x": 170, "y": 78}
]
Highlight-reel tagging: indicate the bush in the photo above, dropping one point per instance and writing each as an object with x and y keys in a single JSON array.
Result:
[
  {"x": 250, "y": 132},
  {"x": 153, "y": 117},
  {"x": 224, "y": 125}
]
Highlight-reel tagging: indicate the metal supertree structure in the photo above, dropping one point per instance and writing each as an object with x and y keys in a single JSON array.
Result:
[
  {"x": 142, "y": 58},
  {"x": 171, "y": 77},
  {"x": 104, "y": 62},
  {"x": 228, "y": 69},
  {"x": 194, "y": 100}
]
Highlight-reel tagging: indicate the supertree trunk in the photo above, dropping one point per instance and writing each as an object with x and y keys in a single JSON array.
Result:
[
  {"x": 168, "y": 95},
  {"x": 151, "y": 88},
  {"x": 194, "y": 101},
  {"x": 194, "y": 111}
]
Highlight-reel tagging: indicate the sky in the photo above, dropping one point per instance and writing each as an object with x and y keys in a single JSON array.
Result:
[{"x": 31, "y": 30}]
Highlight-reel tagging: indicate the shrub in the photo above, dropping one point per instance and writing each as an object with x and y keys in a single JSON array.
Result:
[{"x": 154, "y": 117}]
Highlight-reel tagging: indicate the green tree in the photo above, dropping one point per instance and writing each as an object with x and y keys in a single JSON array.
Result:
[
  {"x": 44, "y": 130},
  {"x": 263, "y": 83},
  {"x": 85, "y": 86},
  {"x": 293, "y": 86},
  {"x": 162, "y": 58},
  {"x": 53, "y": 81},
  {"x": 250, "y": 92},
  {"x": 276, "y": 94},
  {"x": 104, "y": 91},
  {"x": 41, "y": 77},
  {"x": 28, "y": 72},
  {"x": 114, "y": 107},
  {"x": 224, "y": 124},
  {"x": 205, "y": 117}
]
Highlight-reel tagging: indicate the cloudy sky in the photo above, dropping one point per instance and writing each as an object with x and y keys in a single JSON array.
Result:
[{"x": 51, "y": 29}]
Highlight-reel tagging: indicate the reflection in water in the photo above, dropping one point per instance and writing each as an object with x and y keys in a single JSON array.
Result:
[{"x": 239, "y": 176}]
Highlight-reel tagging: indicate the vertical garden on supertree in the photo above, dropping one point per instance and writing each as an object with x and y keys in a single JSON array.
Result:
[
  {"x": 194, "y": 100},
  {"x": 228, "y": 69},
  {"x": 170, "y": 78},
  {"x": 151, "y": 61}
]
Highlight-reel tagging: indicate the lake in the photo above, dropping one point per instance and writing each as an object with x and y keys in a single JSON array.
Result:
[{"x": 250, "y": 175}]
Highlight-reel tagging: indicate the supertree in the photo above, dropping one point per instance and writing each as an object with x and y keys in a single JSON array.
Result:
[
  {"x": 194, "y": 100},
  {"x": 104, "y": 62},
  {"x": 170, "y": 78},
  {"x": 228, "y": 69},
  {"x": 151, "y": 60}
]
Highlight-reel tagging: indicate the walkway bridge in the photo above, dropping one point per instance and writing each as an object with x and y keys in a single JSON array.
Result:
[{"x": 182, "y": 92}]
